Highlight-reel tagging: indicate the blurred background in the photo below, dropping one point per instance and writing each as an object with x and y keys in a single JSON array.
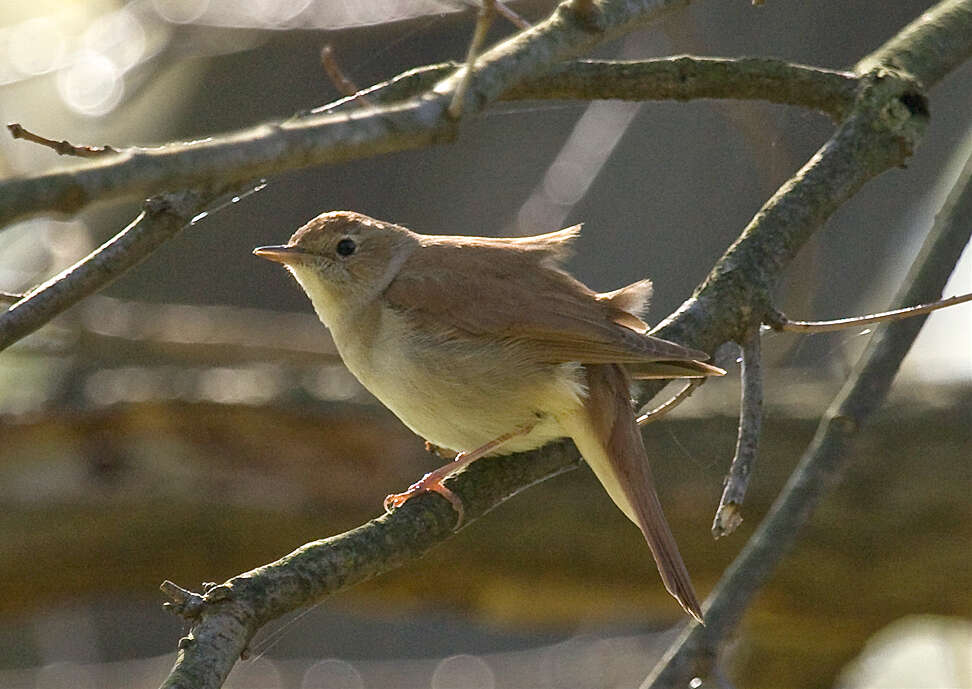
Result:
[{"x": 193, "y": 421}]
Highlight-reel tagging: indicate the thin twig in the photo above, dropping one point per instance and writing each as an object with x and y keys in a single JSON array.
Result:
[
  {"x": 728, "y": 516},
  {"x": 484, "y": 19},
  {"x": 778, "y": 321},
  {"x": 696, "y": 648},
  {"x": 511, "y": 16},
  {"x": 652, "y": 415},
  {"x": 341, "y": 82},
  {"x": 161, "y": 218},
  {"x": 10, "y": 297},
  {"x": 63, "y": 147}
]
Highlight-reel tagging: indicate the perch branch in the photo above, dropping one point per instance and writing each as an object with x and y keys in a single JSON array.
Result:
[
  {"x": 232, "y": 612},
  {"x": 728, "y": 516},
  {"x": 696, "y": 648}
]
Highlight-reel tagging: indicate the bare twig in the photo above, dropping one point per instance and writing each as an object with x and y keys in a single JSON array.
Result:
[
  {"x": 728, "y": 516},
  {"x": 695, "y": 650},
  {"x": 340, "y": 80},
  {"x": 484, "y": 19},
  {"x": 780, "y": 322},
  {"x": 511, "y": 16},
  {"x": 63, "y": 147},
  {"x": 161, "y": 218},
  {"x": 652, "y": 415},
  {"x": 10, "y": 297}
]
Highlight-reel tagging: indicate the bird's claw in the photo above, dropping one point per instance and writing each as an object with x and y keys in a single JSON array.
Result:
[{"x": 427, "y": 483}]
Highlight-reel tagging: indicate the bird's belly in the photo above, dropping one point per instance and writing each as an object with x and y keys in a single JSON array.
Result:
[{"x": 461, "y": 393}]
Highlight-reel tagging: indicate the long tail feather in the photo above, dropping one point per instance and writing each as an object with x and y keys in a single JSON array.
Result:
[{"x": 618, "y": 457}]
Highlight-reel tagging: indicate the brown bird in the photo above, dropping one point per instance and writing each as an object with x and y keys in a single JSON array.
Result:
[{"x": 488, "y": 346}]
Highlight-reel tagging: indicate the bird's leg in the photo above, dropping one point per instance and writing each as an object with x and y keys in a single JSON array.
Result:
[{"x": 433, "y": 481}]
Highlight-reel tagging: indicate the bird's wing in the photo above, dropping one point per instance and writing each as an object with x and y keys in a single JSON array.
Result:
[{"x": 486, "y": 289}]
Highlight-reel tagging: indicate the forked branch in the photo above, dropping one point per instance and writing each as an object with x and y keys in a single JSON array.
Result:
[{"x": 695, "y": 651}]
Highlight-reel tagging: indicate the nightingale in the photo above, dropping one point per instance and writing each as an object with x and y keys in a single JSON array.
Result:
[{"x": 488, "y": 346}]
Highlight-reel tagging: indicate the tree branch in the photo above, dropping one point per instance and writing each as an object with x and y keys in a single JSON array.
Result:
[
  {"x": 162, "y": 218},
  {"x": 687, "y": 77},
  {"x": 884, "y": 125},
  {"x": 929, "y": 47},
  {"x": 680, "y": 77},
  {"x": 215, "y": 164},
  {"x": 696, "y": 648},
  {"x": 230, "y": 614},
  {"x": 728, "y": 517},
  {"x": 321, "y": 136},
  {"x": 881, "y": 132},
  {"x": 778, "y": 321}
]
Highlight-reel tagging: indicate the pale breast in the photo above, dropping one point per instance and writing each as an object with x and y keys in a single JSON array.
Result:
[{"x": 459, "y": 392}]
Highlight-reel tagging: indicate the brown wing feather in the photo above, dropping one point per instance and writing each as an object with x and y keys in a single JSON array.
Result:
[{"x": 512, "y": 289}]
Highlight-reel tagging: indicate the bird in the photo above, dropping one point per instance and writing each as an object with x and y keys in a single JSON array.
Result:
[{"x": 487, "y": 345}]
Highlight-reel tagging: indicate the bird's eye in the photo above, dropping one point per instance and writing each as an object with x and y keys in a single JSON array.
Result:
[{"x": 346, "y": 247}]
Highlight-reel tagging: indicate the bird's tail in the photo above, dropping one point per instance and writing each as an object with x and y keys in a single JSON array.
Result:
[{"x": 611, "y": 443}]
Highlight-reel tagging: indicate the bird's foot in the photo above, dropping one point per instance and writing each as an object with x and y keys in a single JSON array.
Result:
[{"x": 432, "y": 481}]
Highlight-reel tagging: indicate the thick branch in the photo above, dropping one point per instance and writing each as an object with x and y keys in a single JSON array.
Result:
[
  {"x": 276, "y": 147},
  {"x": 886, "y": 124},
  {"x": 880, "y": 133},
  {"x": 696, "y": 648},
  {"x": 327, "y": 135},
  {"x": 215, "y": 164},
  {"x": 161, "y": 219},
  {"x": 929, "y": 47}
]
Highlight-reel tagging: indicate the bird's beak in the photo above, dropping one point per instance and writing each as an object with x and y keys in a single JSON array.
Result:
[{"x": 280, "y": 254}]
